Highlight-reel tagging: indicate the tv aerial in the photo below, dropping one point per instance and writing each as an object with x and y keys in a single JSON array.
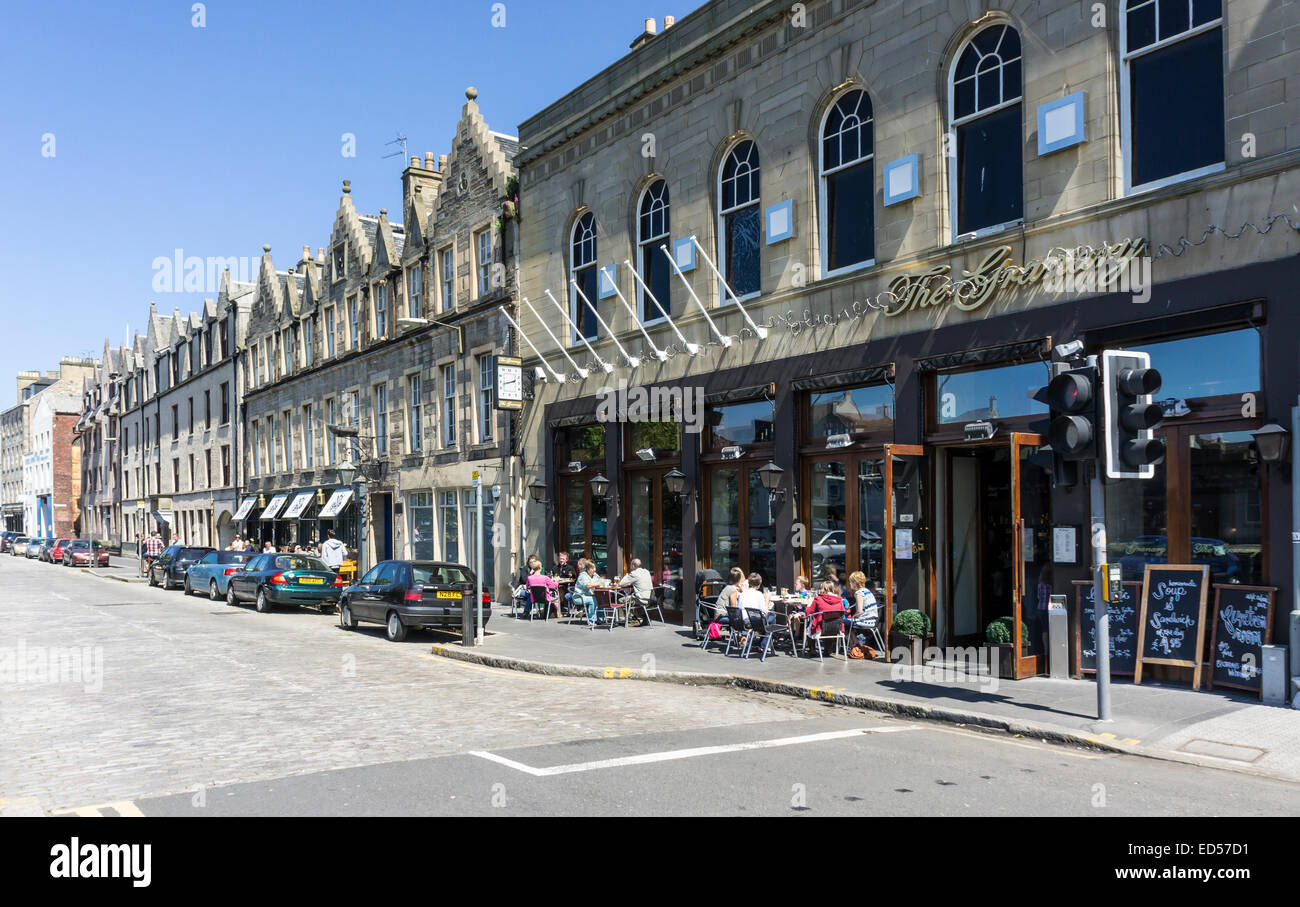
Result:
[{"x": 400, "y": 140}]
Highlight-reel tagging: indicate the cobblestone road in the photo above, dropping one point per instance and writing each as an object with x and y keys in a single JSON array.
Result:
[{"x": 196, "y": 694}]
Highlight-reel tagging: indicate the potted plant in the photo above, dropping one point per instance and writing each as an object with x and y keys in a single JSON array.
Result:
[
  {"x": 910, "y": 629},
  {"x": 998, "y": 635}
]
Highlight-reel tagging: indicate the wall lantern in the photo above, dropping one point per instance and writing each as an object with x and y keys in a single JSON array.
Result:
[
  {"x": 538, "y": 492},
  {"x": 1272, "y": 441},
  {"x": 347, "y": 472},
  {"x": 770, "y": 475},
  {"x": 675, "y": 482},
  {"x": 599, "y": 485}
]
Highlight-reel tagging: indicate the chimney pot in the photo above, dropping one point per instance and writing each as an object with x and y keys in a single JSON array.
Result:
[
  {"x": 442, "y": 162},
  {"x": 306, "y": 253},
  {"x": 428, "y": 160},
  {"x": 320, "y": 253},
  {"x": 415, "y": 162},
  {"x": 668, "y": 22},
  {"x": 651, "y": 27}
]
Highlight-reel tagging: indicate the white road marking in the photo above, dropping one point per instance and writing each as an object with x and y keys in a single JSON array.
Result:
[{"x": 690, "y": 753}]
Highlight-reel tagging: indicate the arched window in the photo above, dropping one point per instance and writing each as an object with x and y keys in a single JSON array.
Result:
[
  {"x": 1172, "y": 91},
  {"x": 984, "y": 110},
  {"x": 652, "y": 229},
  {"x": 847, "y": 184},
  {"x": 582, "y": 265},
  {"x": 740, "y": 220}
]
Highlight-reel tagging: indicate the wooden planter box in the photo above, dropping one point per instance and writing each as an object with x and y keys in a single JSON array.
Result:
[
  {"x": 913, "y": 644},
  {"x": 1006, "y": 655}
]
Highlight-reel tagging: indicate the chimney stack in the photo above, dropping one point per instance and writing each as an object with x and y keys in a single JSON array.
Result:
[
  {"x": 668, "y": 22},
  {"x": 651, "y": 29},
  {"x": 320, "y": 254}
]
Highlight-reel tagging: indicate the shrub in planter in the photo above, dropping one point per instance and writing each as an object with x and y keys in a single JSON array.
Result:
[
  {"x": 999, "y": 632},
  {"x": 911, "y": 622}
]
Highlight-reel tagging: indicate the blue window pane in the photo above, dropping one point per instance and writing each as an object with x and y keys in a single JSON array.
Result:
[
  {"x": 741, "y": 423},
  {"x": 743, "y": 243},
  {"x": 1174, "y": 19},
  {"x": 992, "y": 393},
  {"x": 1141, "y": 27},
  {"x": 1182, "y": 364},
  {"x": 989, "y": 170},
  {"x": 1205, "y": 11},
  {"x": 849, "y": 214},
  {"x": 848, "y": 410}
]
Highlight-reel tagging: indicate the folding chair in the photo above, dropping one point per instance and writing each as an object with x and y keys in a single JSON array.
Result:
[
  {"x": 737, "y": 629},
  {"x": 537, "y": 596},
  {"x": 759, "y": 632},
  {"x": 870, "y": 621},
  {"x": 607, "y": 604},
  {"x": 706, "y": 612},
  {"x": 780, "y": 630},
  {"x": 832, "y": 628}
]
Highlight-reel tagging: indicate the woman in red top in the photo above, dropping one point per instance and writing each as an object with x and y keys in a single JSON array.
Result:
[
  {"x": 828, "y": 599},
  {"x": 537, "y": 578}
]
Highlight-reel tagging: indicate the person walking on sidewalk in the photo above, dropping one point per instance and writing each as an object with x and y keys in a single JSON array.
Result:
[
  {"x": 333, "y": 552},
  {"x": 153, "y": 547}
]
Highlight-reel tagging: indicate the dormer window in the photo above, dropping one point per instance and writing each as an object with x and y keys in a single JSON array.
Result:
[{"x": 340, "y": 262}]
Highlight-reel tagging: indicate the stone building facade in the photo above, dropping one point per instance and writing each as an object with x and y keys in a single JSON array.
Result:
[
  {"x": 97, "y": 431},
  {"x": 51, "y": 467},
  {"x": 890, "y": 191},
  {"x": 390, "y": 334}
]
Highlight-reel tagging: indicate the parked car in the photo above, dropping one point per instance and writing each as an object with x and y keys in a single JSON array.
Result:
[
  {"x": 284, "y": 579},
  {"x": 7, "y": 539},
  {"x": 84, "y": 553},
  {"x": 411, "y": 594},
  {"x": 18, "y": 547},
  {"x": 213, "y": 572},
  {"x": 170, "y": 566},
  {"x": 34, "y": 548},
  {"x": 1133, "y": 556},
  {"x": 56, "y": 551}
]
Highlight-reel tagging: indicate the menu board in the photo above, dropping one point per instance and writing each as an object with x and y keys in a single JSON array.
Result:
[
  {"x": 1122, "y": 627},
  {"x": 1171, "y": 621},
  {"x": 1243, "y": 624}
]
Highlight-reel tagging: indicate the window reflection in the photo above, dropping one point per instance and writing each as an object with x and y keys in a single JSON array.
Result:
[
  {"x": 990, "y": 393},
  {"x": 847, "y": 410},
  {"x": 1227, "y": 507},
  {"x": 741, "y": 423},
  {"x": 1183, "y": 374}
]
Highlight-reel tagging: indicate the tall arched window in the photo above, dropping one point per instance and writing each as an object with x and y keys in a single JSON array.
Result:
[
  {"x": 740, "y": 232},
  {"x": 582, "y": 265},
  {"x": 652, "y": 229},
  {"x": 848, "y": 184},
  {"x": 1172, "y": 91},
  {"x": 984, "y": 110}
]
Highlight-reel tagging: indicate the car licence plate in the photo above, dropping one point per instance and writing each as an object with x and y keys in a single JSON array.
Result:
[
  {"x": 311, "y": 581},
  {"x": 455, "y": 595}
]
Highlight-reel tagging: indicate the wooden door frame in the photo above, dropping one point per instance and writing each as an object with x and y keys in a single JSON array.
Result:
[
  {"x": 1025, "y": 665},
  {"x": 891, "y": 451}
]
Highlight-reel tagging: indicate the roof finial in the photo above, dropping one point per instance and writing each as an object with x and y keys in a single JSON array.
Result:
[
  {"x": 266, "y": 248},
  {"x": 347, "y": 187},
  {"x": 471, "y": 93}
]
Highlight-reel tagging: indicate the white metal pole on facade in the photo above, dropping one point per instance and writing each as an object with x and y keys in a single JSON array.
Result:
[
  {"x": 583, "y": 296},
  {"x": 520, "y": 332},
  {"x": 478, "y": 593},
  {"x": 576, "y": 330},
  {"x": 691, "y": 348},
  {"x": 582, "y": 372},
  {"x": 760, "y": 331},
  {"x": 658, "y": 353},
  {"x": 722, "y": 338}
]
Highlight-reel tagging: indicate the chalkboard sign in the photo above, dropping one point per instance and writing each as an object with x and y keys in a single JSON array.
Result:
[
  {"x": 1122, "y": 625},
  {"x": 1243, "y": 624},
  {"x": 1171, "y": 622}
]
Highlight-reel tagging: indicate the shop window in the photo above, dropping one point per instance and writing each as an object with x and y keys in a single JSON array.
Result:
[
  {"x": 985, "y": 123},
  {"x": 740, "y": 424},
  {"x": 658, "y": 439},
  {"x": 583, "y": 270},
  {"x": 1227, "y": 512},
  {"x": 847, "y": 183},
  {"x": 742, "y": 524},
  {"x": 584, "y": 444},
  {"x": 450, "y": 526},
  {"x": 850, "y": 410},
  {"x": 420, "y": 508},
  {"x": 1183, "y": 374},
  {"x": 474, "y": 534},
  {"x": 739, "y": 220},
  {"x": 655, "y": 270},
  {"x": 1173, "y": 84},
  {"x": 989, "y": 394}
]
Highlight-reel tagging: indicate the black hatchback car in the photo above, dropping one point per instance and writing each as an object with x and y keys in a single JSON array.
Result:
[
  {"x": 406, "y": 594},
  {"x": 168, "y": 569}
]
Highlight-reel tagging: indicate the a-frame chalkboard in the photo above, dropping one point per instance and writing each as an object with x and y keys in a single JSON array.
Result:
[
  {"x": 1123, "y": 629},
  {"x": 1242, "y": 626},
  {"x": 1171, "y": 619}
]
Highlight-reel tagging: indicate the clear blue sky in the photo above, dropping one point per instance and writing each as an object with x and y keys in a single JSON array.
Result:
[{"x": 218, "y": 139}]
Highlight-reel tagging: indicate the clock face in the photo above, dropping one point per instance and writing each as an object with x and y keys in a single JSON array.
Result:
[{"x": 510, "y": 386}]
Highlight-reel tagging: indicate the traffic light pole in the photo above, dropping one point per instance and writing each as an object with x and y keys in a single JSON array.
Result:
[{"x": 1101, "y": 610}]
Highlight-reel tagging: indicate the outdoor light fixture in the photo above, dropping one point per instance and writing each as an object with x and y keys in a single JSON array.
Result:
[
  {"x": 770, "y": 476},
  {"x": 980, "y": 431},
  {"x": 675, "y": 482},
  {"x": 575, "y": 467},
  {"x": 734, "y": 452},
  {"x": 340, "y": 431},
  {"x": 646, "y": 453},
  {"x": 1069, "y": 350},
  {"x": 841, "y": 440},
  {"x": 1272, "y": 441},
  {"x": 599, "y": 485},
  {"x": 538, "y": 492},
  {"x": 347, "y": 472}
]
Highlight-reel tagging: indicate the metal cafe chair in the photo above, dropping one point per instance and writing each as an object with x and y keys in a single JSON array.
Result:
[
  {"x": 737, "y": 629},
  {"x": 870, "y": 621},
  {"x": 832, "y": 628},
  {"x": 778, "y": 631},
  {"x": 654, "y": 603},
  {"x": 537, "y": 596},
  {"x": 607, "y": 606},
  {"x": 706, "y": 612}
]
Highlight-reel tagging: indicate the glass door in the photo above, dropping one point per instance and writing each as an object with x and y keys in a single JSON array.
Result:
[
  {"x": 1031, "y": 519},
  {"x": 654, "y": 530}
]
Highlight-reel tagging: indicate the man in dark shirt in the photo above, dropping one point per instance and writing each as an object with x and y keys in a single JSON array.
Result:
[{"x": 563, "y": 569}]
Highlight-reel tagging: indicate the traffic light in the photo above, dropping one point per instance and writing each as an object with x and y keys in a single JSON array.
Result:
[
  {"x": 1130, "y": 416},
  {"x": 1071, "y": 396}
]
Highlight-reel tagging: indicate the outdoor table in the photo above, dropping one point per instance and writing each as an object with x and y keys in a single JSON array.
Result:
[{"x": 607, "y": 600}]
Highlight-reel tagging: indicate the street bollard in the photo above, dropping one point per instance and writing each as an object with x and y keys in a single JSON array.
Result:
[
  {"x": 1058, "y": 636},
  {"x": 1276, "y": 681},
  {"x": 468, "y": 634}
]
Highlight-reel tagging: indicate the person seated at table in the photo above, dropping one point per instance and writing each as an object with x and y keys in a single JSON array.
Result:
[
  {"x": 833, "y": 576},
  {"x": 537, "y": 578},
  {"x": 753, "y": 598},
  {"x": 563, "y": 569},
  {"x": 583, "y": 594},
  {"x": 862, "y": 603},
  {"x": 638, "y": 579},
  {"x": 803, "y": 588},
  {"x": 828, "y": 599},
  {"x": 730, "y": 593}
]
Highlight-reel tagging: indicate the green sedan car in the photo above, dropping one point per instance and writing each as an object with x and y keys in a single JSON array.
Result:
[{"x": 285, "y": 579}]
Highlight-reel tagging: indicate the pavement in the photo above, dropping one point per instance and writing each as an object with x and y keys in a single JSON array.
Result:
[{"x": 1218, "y": 728}]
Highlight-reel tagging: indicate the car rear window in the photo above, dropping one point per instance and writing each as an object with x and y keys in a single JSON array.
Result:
[
  {"x": 78, "y": 545},
  {"x": 299, "y": 563},
  {"x": 233, "y": 557},
  {"x": 441, "y": 576},
  {"x": 194, "y": 553}
]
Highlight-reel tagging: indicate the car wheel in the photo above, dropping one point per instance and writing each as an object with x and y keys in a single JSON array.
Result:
[
  {"x": 263, "y": 603},
  {"x": 151, "y": 582},
  {"x": 188, "y": 589},
  {"x": 346, "y": 620},
  {"x": 230, "y": 595},
  {"x": 396, "y": 630},
  {"x": 213, "y": 592}
]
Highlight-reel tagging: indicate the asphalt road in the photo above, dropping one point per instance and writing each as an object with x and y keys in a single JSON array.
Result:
[{"x": 189, "y": 707}]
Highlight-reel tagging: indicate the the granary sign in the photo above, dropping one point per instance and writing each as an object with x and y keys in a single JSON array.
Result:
[{"x": 1108, "y": 268}]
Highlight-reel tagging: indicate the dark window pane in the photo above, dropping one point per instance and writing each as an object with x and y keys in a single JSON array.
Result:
[
  {"x": 989, "y": 171},
  {"x": 857, "y": 409},
  {"x": 1177, "y": 108},
  {"x": 1141, "y": 27},
  {"x": 1173, "y": 19},
  {"x": 987, "y": 41},
  {"x": 1011, "y": 80},
  {"x": 849, "y": 214},
  {"x": 965, "y": 98},
  {"x": 831, "y": 150},
  {"x": 989, "y": 87},
  {"x": 1227, "y": 507},
  {"x": 849, "y": 144},
  {"x": 657, "y": 274},
  {"x": 743, "y": 241},
  {"x": 586, "y": 315},
  {"x": 1205, "y": 10}
]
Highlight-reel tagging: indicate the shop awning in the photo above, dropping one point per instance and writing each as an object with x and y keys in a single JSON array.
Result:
[
  {"x": 334, "y": 506},
  {"x": 245, "y": 507},
  {"x": 274, "y": 506},
  {"x": 299, "y": 504}
]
